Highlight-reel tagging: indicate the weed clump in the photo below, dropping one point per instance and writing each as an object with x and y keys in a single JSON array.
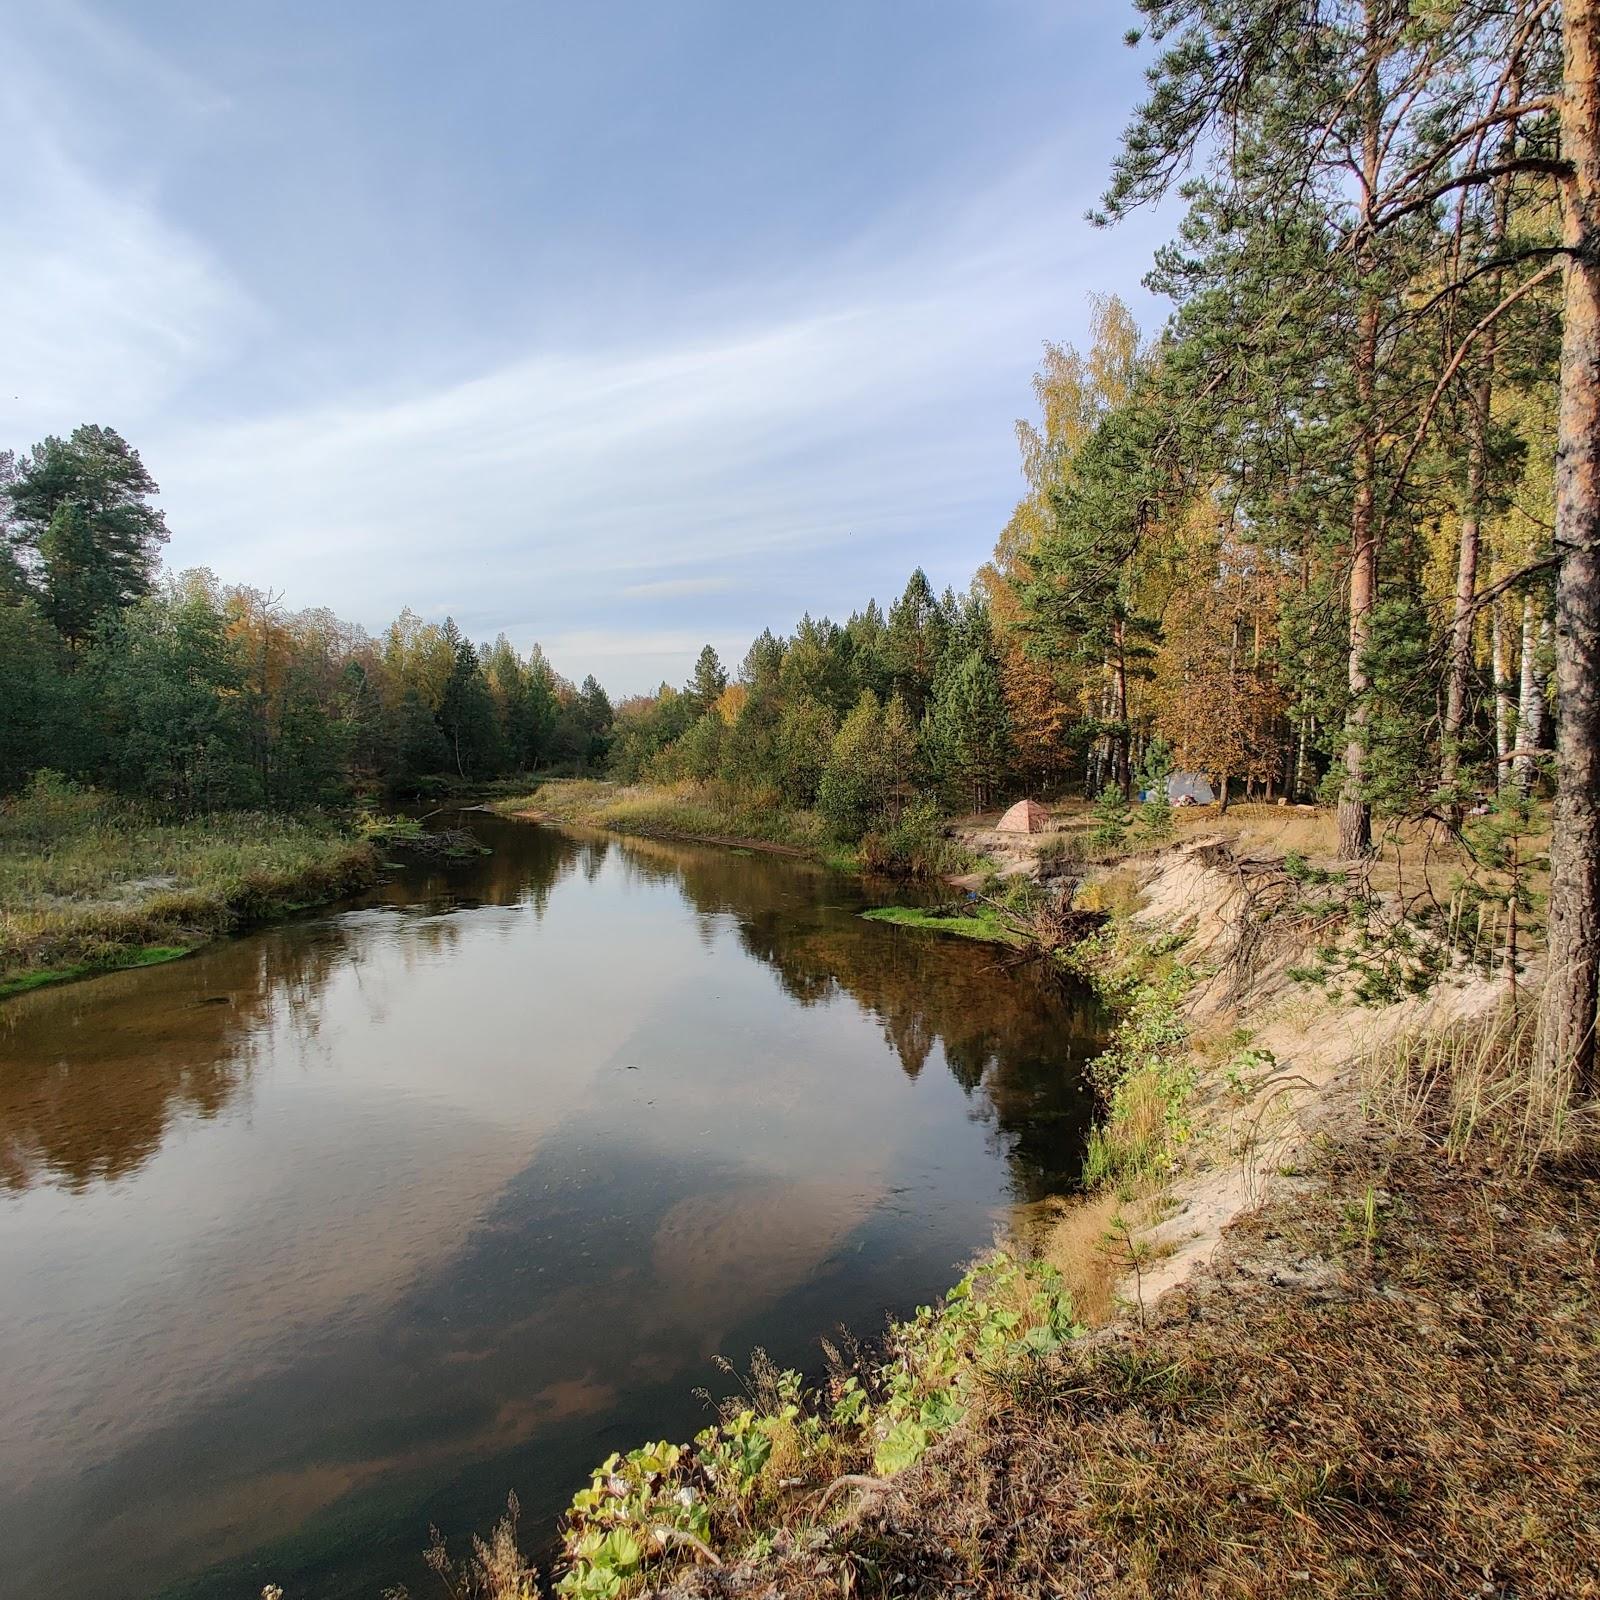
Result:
[{"x": 780, "y": 1452}]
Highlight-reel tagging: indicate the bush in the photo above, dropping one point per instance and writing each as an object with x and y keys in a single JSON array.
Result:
[
  {"x": 1112, "y": 819},
  {"x": 912, "y": 845}
]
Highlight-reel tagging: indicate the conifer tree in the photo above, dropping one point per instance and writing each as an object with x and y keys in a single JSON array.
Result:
[{"x": 78, "y": 511}]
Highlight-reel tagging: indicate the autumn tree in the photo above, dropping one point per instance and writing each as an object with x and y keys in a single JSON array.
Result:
[{"x": 1216, "y": 695}]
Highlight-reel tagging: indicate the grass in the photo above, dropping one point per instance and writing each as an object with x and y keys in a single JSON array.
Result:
[
  {"x": 1386, "y": 1384},
  {"x": 981, "y": 922},
  {"x": 1146, "y": 1074},
  {"x": 135, "y": 955},
  {"x": 89, "y": 884},
  {"x": 685, "y": 810},
  {"x": 718, "y": 813},
  {"x": 1472, "y": 1091}
]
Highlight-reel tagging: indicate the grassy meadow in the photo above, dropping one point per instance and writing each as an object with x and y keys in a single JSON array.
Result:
[{"x": 90, "y": 883}]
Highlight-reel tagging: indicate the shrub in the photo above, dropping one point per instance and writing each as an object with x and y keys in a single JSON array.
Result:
[
  {"x": 912, "y": 845},
  {"x": 1112, "y": 819}
]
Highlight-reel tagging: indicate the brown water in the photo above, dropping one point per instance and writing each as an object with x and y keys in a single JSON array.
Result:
[{"x": 356, "y": 1223}]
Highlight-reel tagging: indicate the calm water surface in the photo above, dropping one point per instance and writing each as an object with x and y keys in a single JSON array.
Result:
[{"x": 357, "y": 1223}]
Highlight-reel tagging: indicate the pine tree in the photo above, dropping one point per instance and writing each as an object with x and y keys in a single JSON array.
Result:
[
  {"x": 79, "y": 511},
  {"x": 967, "y": 732},
  {"x": 873, "y": 756},
  {"x": 914, "y": 641},
  {"x": 708, "y": 681}
]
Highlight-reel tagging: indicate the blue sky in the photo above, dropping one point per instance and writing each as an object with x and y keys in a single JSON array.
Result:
[{"x": 621, "y": 327}]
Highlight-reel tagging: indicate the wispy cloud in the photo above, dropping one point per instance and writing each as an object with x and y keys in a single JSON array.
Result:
[
  {"x": 784, "y": 440},
  {"x": 109, "y": 308}
]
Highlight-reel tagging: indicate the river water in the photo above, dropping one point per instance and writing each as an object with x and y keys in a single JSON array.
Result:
[{"x": 354, "y": 1224}]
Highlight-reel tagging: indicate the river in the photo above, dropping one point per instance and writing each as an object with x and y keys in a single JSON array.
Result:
[{"x": 355, "y": 1223}]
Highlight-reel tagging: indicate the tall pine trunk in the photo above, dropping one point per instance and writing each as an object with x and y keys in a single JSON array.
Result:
[
  {"x": 1460, "y": 673},
  {"x": 1480, "y": 410},
  {"x": 1355, "y": 812},
  {"x": 1124, "y": 732},
  {"x": 1565, "y": 1041}
]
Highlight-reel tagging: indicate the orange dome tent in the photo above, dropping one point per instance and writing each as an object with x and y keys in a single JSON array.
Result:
[{"x": 1026, "y": 816}]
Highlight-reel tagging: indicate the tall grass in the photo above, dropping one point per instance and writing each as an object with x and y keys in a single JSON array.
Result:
[
  {"x": 88, "y": 881},
  {"x": 1473, "y": 1092}
]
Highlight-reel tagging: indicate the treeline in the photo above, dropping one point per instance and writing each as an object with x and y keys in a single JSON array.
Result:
[
  {"x": 201, "y": 697},
  {"x": 1333, "y": 531},
  {"x": 1371, "y": 427},
  {"x": 1336, "y": 530},
  {"x": 858, "y": 720}
]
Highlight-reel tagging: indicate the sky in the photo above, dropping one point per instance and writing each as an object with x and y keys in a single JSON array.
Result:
[{"x": 622, "y": 327}]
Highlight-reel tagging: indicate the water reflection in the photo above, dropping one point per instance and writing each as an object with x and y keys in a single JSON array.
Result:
[
  {"x": 96, "y": 1074},
  {"x": 362, "y": 1220}
]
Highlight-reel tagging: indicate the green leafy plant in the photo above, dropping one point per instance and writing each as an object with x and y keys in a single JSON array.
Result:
[{"x": 663, "y": 1500}]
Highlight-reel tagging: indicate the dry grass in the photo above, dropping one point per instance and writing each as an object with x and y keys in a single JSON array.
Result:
[
  {"x": 1086, "y": 1242},
  {"x": 1472, "y": 1092},
  {"x": 87, "y": 882},
  {"x": 685, "y": 810},
  {"x": 1386, "y": 1386}
]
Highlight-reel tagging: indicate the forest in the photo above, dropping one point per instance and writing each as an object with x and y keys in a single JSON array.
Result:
[
  {"x": 199, "y": 697},
  {"x": 1328, "y": 534}
]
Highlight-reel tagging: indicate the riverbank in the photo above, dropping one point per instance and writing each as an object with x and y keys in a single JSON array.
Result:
[
  {"x": 1328, "y": 1284},
  {"x": 1344, "y": 1263},
  {"x": 1384, "y": 1382},
  {"x": 715, "y": 813},
  {"x": 90, "y": 884},
  {"x": 691, "y": 812}
]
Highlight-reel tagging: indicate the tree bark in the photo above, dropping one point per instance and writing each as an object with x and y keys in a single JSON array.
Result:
[
  {"x": 1566, "y": 1027},
  {"x": 1500, "y": 666},
  {"x": 1355, "y": 813},
  {"x": 1124, "y": 766},
  {"x": 1530, "y": 701},
  {"x": 1480, "y": 408},
  {"x": 1455, "y": 709}
]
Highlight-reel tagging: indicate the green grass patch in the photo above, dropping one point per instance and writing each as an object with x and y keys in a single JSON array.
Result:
[
  {"x": 143, "y": 955},
  {"x": 981, "y": 922},
  {"x": 89, "y": 883}
]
